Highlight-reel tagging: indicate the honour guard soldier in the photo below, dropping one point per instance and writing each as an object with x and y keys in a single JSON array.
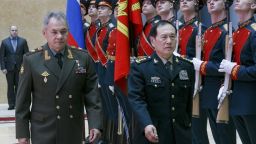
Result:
[
  {"x": 144, "y": 46},
  {"x": 57, "y": 82},
  {"x": 213, "y": 53},
  {"x": 167, "y": 10},
  {"x": 105, "y": 47},
  {"x": 84, "y": 9},
  {"x": 243, "y": 71},
  {"x": 187, "y": 48},
  {"x": 90, "y": 33},
  {"x": 160, "y": 90}
]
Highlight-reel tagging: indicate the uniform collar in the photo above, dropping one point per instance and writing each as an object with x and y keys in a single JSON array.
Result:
[
  {"x": 190, "y": 22},
  {"x": 219, "y": 23},
  {"x": 246, "y": 23}
]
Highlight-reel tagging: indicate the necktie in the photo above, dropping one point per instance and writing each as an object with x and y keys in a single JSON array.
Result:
[
  {"x": 59, "y": 58},
  {"x": 168, "y": 67},
  {"x": 14, "y": 44}
]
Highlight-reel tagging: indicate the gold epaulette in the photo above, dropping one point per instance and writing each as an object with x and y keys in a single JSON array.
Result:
[
  {"x": 39, "y": 49},
  {"x": 186, "y": 59},
  {"x": 141, "y": 60},
  {"x": 253, "y": 25}
]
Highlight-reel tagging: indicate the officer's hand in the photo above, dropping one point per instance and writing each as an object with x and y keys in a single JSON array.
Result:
[
  {"x": 197, "y": 64},
  {"x": 4, "y": 71},
  {"x": 151, "y": 133},
  {"x": 226, "y": 66},
  {"x": 23, "y": 141},
  {"x": 94, "y": 135}
]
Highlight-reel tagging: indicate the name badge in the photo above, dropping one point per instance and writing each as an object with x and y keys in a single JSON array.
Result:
[
  {"x": 155, "y": 80},
  {"x": 183, "y": 75}
]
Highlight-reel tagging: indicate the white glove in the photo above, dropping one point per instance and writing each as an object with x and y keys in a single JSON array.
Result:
[
  {"x": 197, "y": 63},
  {"x": 226, "y": 66},
  {"x": 220, "y": 92},
  {"x": 4, "y": 71},
  {"x": 112, "y": 89},
  {"x": 176, "y": 54}
]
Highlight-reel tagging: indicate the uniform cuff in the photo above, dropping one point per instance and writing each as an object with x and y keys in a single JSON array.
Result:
[
  {"x": 234, "y": 72},
  {"x": 203, "y": 68}
]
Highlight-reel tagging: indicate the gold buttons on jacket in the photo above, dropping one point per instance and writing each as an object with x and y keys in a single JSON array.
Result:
[
  {"x": 71, "y": 116},
  {"x": 173, "y": 108},
  {"x": 173, "y": 120},
  {"x": 172, "y": 84},
  {"x": 57, "y": 107},
  {"x": 58, "y": 116},
  {"x": 173, "y": 96},
  {"x": 70, "y": 107},
  {"x": 57, "y": 96},
  {"x": 70, "y": 96}
]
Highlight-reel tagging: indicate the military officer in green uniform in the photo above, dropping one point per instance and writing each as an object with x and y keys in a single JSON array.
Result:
[{"x": 56, "y": 82}]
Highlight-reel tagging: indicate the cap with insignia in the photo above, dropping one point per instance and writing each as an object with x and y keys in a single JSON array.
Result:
[
  {"x": 152, "y": 2},
  {"x": 228, "y": 3},
  {"x": 90, "y": 2},
  {"x": 107, "y": 3},
  {"x": 199, "y": 4},
  {"x": 175, "y": 3}
]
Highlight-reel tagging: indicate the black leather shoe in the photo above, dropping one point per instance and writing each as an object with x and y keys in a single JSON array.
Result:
[{"x": 11, "y": 108}]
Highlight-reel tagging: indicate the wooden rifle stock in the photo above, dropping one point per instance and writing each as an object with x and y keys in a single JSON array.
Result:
[
  {"x": 223, "y": 113},
  {"x": 196, "y": 102}
]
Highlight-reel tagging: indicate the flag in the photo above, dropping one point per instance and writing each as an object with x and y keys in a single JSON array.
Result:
[
  {"x": 128, "y": 12},
  {"x": 75, "y": 24},
  {"x": 135, "y": 17}
]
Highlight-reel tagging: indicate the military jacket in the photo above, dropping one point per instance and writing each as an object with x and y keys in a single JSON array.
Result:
[
  {"x": 213, "y": 54},
  {"x": 187, "y": 38},
  {"x": 57, "y": 97},
  {"x": 242, "y": 101},
  {"x": 163, "y": 99}
]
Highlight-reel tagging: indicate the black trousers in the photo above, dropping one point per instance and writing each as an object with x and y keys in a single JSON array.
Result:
[
  {"x": 222, "y": 133},
  {"x": 12, "y": 78},
  {"x": 246, "y": 127},
  {"x": 199, "y": 129}
]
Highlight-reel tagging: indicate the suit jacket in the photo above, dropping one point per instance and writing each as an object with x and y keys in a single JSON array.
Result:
[
  {"x": 58, "y": 97},
  {"x": 161, "y": 99},
  {"x": 9, "y": 57}
]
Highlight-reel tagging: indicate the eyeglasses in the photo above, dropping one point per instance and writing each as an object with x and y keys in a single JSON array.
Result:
[{"x": 14, "y": 30}]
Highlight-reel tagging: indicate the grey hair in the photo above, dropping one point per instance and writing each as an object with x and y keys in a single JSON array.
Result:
[{"x": 54, "y": 14}]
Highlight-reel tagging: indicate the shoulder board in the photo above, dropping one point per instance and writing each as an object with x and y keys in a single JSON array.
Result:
[
  {"x": 142, "y": 60},
  {"x": 253, "y": 25},
  {"x": 185, "y": 59},
  {"x": 77, "y": 49},
  {"x": 225, "y": 26},
  {"x": 39, "y": 49},
  {"x": 111, "y": 25}
]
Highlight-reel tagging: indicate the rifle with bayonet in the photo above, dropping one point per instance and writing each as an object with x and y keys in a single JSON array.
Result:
[
  {"x": 197, "y": 87},
  {"x": 223, "y": 106}
]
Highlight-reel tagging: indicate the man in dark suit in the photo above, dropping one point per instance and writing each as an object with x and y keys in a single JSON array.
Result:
[
  {"x": 11, "y": 53},
  {"x": 58, "y": 81},
  {"x": 161, "y": 89}
]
